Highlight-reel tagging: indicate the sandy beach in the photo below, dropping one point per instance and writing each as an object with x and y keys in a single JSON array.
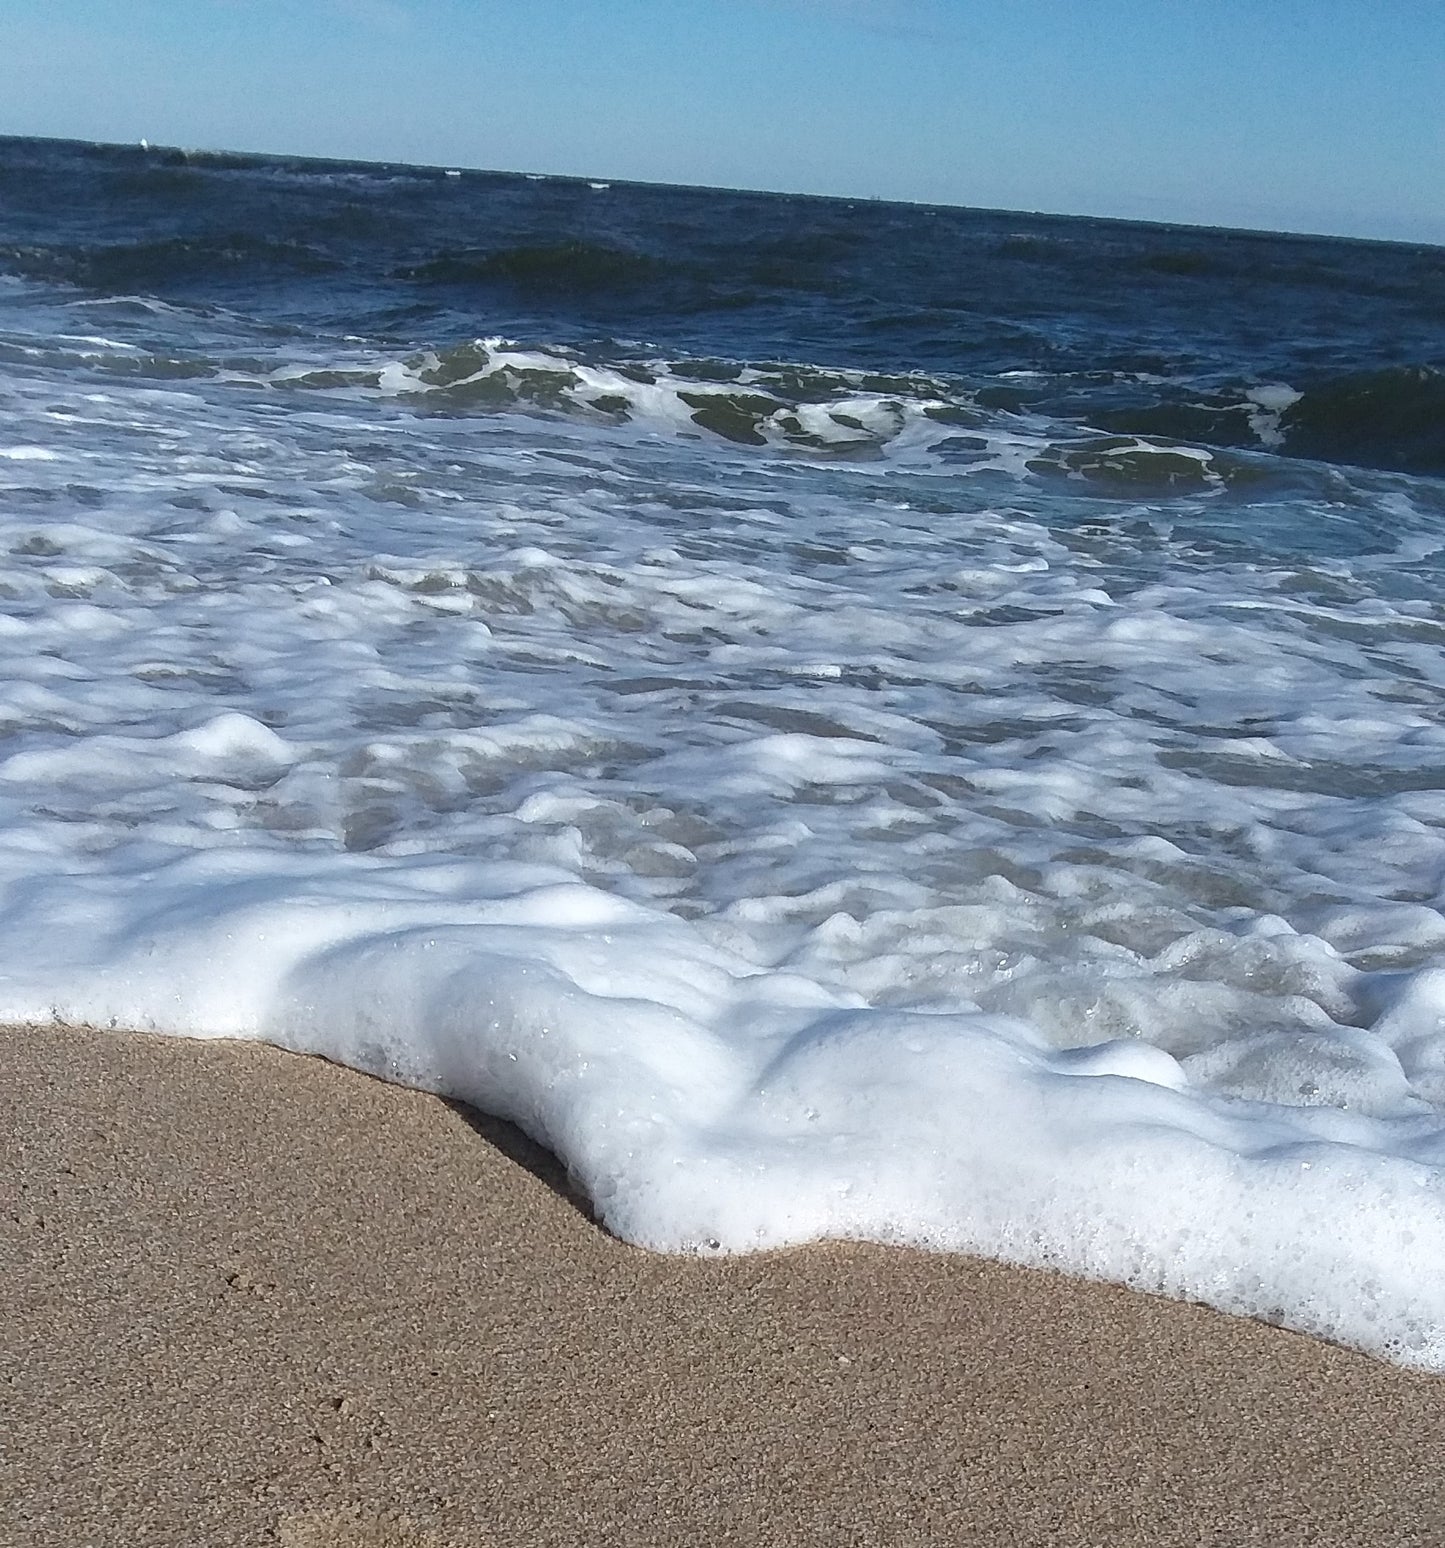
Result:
[{"x": 251, "y": 1298}]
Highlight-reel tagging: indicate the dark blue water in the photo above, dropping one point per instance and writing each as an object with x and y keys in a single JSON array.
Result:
[{"x": 1127, "y": 328}]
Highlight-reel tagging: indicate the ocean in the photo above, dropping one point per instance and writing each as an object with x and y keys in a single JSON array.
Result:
[{"x": 841, "y": 719}]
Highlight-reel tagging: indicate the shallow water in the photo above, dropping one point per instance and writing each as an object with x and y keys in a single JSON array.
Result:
[{"x": 842, "y": 720}]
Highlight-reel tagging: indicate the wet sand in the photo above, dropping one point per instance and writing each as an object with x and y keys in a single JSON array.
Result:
[{"x": 249, "y": 1298}]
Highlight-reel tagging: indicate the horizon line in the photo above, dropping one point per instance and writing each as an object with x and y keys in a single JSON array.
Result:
[{"x": 149, "y": 146}]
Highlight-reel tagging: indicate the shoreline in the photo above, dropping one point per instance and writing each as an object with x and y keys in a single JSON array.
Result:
[{"x": 257, "y": 1298}]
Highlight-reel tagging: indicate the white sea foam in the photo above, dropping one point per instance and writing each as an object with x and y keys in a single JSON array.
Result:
[
  {"x": 1268, "y": 403},
  {"x": 906, "y": 849}
]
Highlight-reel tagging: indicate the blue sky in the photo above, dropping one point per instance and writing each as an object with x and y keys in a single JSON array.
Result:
[{"x": 1326, "y": 116}]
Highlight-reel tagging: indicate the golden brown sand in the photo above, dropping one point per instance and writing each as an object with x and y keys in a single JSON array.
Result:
[{"x": 249, "y": 1298}]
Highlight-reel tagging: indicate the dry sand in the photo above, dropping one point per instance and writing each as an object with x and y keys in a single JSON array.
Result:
[{"x": 249, "y": 1298}]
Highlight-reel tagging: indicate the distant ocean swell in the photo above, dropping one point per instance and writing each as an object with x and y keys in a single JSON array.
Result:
[{"x": 918, "y": 725}]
